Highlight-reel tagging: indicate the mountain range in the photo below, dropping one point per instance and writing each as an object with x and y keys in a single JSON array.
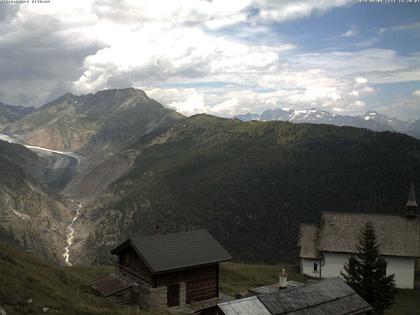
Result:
[
  {"x": 249, "y": 183},
  {"x": 94, "y": 125},
  {"x": 12, "y": 113},
  {"x": 134, "y": 164},
  {"x": 370, "y": 120}
]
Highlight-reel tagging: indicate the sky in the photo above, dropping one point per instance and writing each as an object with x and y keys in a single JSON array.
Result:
[{"x": 216, "y": 56}]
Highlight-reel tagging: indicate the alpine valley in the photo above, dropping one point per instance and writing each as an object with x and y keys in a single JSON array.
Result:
[{"x": 82, "y": 173}]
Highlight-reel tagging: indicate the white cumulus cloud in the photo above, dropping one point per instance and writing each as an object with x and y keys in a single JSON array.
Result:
[
  {"x": 351, "y": 32},
  {"x": 180, "y": 52},
  {"x": 360, "y": 80}
]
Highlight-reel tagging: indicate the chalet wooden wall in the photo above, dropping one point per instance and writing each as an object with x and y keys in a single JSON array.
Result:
[
  {"x": 202, "y": 283},
  {"x": 128, "y": 258}
]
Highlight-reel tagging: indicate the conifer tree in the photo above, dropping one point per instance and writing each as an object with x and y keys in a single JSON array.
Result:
[{"x": 366, "y": 272}]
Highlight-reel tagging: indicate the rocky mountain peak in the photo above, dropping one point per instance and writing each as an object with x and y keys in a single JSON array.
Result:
[
  {"x": 123, "y": 92},
  {"x": 96, "y": 125},
  {"x": 369, "y": 115}
]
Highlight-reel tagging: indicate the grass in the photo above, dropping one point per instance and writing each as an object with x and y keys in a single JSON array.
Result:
[
  {"x": 85, "y": 274},
  {"x": 407, "y": 302},
  {"x": 238, "y": 278},
  {"x": 61, "y": 289},
  {"x": 24, "y": 278}
]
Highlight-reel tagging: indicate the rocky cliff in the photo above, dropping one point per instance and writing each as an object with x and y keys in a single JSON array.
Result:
[{"x": 31, "y": 214}]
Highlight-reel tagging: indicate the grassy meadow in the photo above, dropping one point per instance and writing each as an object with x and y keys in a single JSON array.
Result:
[{"x": 28, "y": 285}]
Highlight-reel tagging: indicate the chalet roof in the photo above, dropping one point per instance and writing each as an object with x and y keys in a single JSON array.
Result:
[
  {"x": 112, "y": 284},
  {"x": 308, "y": 241},
  {"x": 396, "y": 235},
  {"x": 331, "y": 296},
  {"x": 246, "y": 306},
  {"x": 168, "y": 252},
  {"x": 271, "y": 288}
]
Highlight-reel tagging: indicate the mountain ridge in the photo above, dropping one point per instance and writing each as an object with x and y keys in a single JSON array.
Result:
[
  {"x": 371, "y": 120},
  {"x": 95, "y": 125},
  {"x": 11, "y": 113},
  {"x": 249, "y": 183},
  {"x": 152, "y": 166}
]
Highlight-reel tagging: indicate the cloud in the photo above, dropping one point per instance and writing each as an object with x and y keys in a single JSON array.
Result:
[
  {"x": 360, "y": 80},
  {"x": 376, "y": 65},
  {"x": 398, "y": 28},
  {"x": 186, "y": 101},
  {"x": 156, "y": 53},
  {"x": 190, "y": 101},
  {"x": 40, "y": 60},
  {"x": 287, "y": 10},
  {"x": 196, "y": 56},
  {"x": 358, "y": 104},
  {"x": 353, "y": 31},
  {"x": 368, "y": 89},
  {"x": 354, "y": 93}
]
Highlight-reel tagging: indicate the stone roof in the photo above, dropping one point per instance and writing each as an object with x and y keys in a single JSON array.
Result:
[
  {"x": 330, "y": 296},
  {"x": 396, "y": 235},
  {"x": 308, "y": 241},
  {"x": 271, "y": 288},
  {"x": 168, "y": 252},
  {"x": 245, "y": 306},
  {"x": 112, "y": 284}
]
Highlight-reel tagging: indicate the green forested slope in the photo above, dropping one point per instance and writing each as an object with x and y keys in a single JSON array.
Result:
[{"x": 251, "y": 184}]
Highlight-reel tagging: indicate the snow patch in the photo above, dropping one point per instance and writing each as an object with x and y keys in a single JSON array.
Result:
[
  {"x": 370, "y": 115},
  {"x": 307, "y": 114}
]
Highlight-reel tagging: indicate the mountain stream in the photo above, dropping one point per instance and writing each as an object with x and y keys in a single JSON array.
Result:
[{"x": 70, "y": 235}]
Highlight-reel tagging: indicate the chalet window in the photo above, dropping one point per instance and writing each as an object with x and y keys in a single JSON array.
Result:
[
  {"x": 315, "y": 267},
  {"x": 173, "y": 294}
]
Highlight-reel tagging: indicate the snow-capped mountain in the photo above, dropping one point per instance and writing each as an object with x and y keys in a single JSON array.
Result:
[
  {"x": 394, "y": 123},
  {"x": 310, "y": 115},
  {"x": 370, "y": 120}
]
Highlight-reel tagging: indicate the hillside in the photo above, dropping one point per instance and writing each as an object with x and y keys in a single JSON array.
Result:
[
  {"x": 10, "y": 113},
  {"x": 64, "y": 291},
  {"x": 54, "y": 169},
  {"x": 249, "y": 183},
  {"x": 94, "y": 125},
  {"x": 31, "y": 215},
  {"x": 29, "y": 285}
]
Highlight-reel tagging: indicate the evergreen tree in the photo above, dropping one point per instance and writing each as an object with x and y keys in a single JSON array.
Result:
[{"x": 366, "y": 273}]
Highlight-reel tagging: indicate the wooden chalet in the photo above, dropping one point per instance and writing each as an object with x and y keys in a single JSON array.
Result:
[{"x": 178, "y": 271}]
